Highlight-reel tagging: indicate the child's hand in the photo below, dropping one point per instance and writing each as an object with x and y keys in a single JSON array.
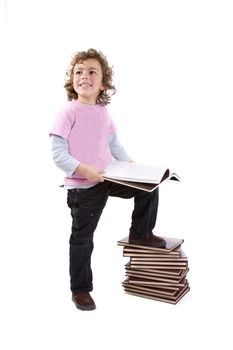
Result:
[{"x": 90, "y": 173}]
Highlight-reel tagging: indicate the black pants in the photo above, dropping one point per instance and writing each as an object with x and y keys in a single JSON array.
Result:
[{"x": 86, "y": 208}]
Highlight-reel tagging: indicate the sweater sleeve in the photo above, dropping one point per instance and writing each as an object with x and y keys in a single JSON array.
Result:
[
  {"x": 61, "y": 156},
  {"x": 117, "y": 148},
  {"x": 64, "y": 122}
]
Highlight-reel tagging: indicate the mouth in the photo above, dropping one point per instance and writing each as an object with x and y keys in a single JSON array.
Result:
[{"x": 85, "y": 85}]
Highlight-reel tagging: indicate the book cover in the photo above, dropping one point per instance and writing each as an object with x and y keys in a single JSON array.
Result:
[
  {"x": 159, "y": 267},
  {"x": 147, "y": 282},
  {"x": 158, "y": 277},
  {"x": 174, "y": 274},
  {"x": 162, "y": 291},
  {"x": 149, "y": 254},
  {"x": 153, "y": 278},
  {"x": 156, "y": 296},
  {"x": 158, "y": 257},
  {"x": 171, "y": 244},
  {"x": 155, "y": 262},
  {"x": 170, "y": 287}
]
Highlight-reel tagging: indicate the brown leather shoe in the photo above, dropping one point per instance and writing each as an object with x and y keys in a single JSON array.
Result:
[
  {"x": 152, "y": 241},
  {"x": 83, "y": 301}
]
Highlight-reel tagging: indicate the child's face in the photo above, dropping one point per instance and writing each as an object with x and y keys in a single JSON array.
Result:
[{"x": 87, "y": 80}]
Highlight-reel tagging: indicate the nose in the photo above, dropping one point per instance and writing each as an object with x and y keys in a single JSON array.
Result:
[{"x": 84, "y": 75}]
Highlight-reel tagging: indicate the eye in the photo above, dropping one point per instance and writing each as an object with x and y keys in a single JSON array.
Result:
[
  {"x": 92, "y": 72},
  {"x": 78, "y": 72}
]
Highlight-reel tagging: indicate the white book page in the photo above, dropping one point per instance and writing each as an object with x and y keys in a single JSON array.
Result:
[{"x": 123, "y": 170}]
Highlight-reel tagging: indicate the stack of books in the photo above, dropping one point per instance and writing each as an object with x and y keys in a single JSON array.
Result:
[{"x": 156, "y": 273}]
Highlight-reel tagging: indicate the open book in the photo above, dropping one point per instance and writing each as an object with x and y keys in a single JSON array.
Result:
[{"x": 143, "y": 177}]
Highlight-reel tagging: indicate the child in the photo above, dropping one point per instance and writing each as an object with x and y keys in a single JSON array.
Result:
[{"x": 84, "y": 142}]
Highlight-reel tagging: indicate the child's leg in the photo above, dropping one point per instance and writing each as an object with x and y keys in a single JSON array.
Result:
[
  {"x": 144, "y": 214},
  {"x": 86, "y": 207},
  {"x": 145, "y": 207}
]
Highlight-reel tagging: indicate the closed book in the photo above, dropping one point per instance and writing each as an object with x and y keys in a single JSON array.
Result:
[
  {"x": 130, "y": 252},
  {"x": 168, "y": 272},
  {"x": 159, "y": 257},
  {"x": 159, "y": 267},
  {"x": 147, "y": 282},
  {"x": 171, "y": 245},
  {"x": 153, "y": 289},
  {"x": 158, "y": 296},
  {"x": 156, "y": 277}
]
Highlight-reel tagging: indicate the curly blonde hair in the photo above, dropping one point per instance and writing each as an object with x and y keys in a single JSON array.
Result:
[{"x": 104, "y": 96}]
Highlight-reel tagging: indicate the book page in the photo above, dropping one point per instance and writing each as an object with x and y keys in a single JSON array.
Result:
[{"x": 134, "y": 172}]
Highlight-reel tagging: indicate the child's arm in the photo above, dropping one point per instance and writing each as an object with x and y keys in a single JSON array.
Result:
[
  {"x": 117, "y": 149},
  {"x": 70, "y": 165},
  {"x": 90, "y": 173},
  {"x": 61, "y": 156}
]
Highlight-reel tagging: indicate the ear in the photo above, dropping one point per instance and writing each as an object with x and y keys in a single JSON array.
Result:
[{"x": 102, "y": 87}]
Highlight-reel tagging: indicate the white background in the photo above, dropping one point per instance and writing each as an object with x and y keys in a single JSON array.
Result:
[{"x": 173, "y": 72}]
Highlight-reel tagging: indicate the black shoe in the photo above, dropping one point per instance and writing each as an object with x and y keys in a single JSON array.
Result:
[
  {"x": 152, "y": 241},
  {"x": 83, "y": 301}
]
